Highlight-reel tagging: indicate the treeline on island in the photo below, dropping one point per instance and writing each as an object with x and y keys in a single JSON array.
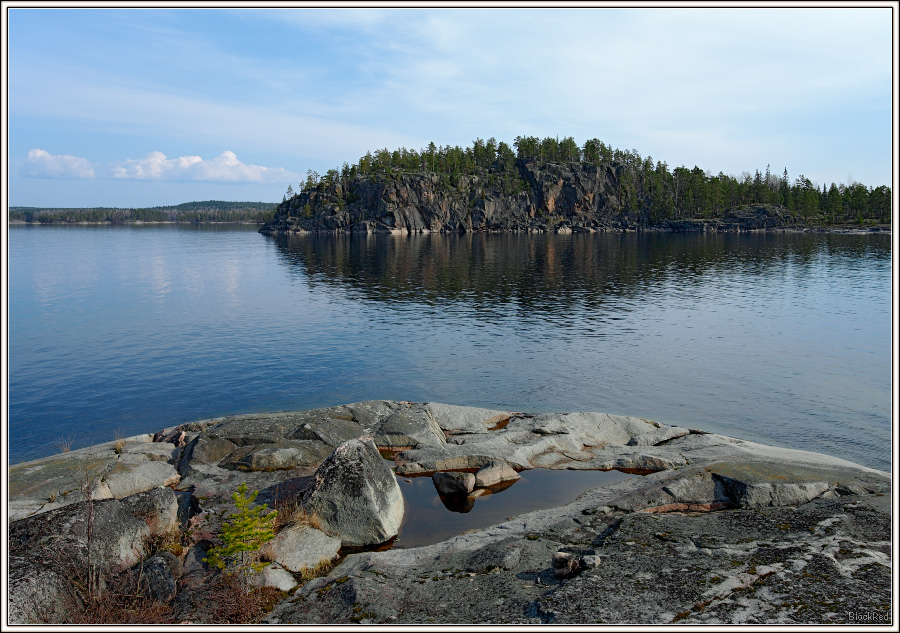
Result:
[
  {"x": 541, "y": 184},
  {"x": 193, "y": 212}
]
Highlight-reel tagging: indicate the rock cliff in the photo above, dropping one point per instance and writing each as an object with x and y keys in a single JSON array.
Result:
[{"x": 557, "y": 197}]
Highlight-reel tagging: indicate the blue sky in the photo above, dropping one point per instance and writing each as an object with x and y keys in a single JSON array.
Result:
[{"x": 155, "y": 106}]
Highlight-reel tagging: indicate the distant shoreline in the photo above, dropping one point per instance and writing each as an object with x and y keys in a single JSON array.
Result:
[{"x": 129, "y": 223}]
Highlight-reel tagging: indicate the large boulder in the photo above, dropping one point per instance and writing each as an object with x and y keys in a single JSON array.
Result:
[
  {"x": 355, "y": 495},
  {"x": 38, "y": 591},
  {"x": 112, "y": 532},
  {"x": 51, "y": 550}
]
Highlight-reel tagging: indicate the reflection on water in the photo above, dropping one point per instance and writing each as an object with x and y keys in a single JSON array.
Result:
[
  {"x": 431, "y": 518},
  {"x": 547, "y": 272},
  {"x": 777, "y": 338}
]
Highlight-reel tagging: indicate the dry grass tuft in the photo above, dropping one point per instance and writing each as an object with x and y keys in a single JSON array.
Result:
[
  {"x": 119, "y": 445},
  {"x": 322, "y": 568},
  {"x": 291, "y": 514},
  {"x": 64, "y": 444},
  {"x": 231, "y": 602},
  {"x": 172, "y": 541},
  {"x": 123, "y": 601}
]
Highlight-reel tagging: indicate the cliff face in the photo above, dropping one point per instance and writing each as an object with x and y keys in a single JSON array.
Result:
[{"x": 555, "y": 197}]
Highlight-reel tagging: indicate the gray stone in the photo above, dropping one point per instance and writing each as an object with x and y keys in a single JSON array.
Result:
[
  {"x": 329, "y": 431},
  {"x": 174, "y": 563},
  {"x": 657, "y": 436},
  {"x": 453, "y": 483},
  {"x": 273, "y": 575},
  {"x": 117, "y": 539},
  {"x": 59, "y": 480},
  {"x": 369, "y": 413},
  {"x": 431, "y": 460},
  {"x": 803, "y": 564},
  {"x": 455, "y": 419},
  {"x": 266, "y": 428},
  {"x": 188, "y": 506},
  {"x": 589, "y": 561},
  {"x": 154, "y": 451},
  {"x": 300, "y": 548},
  {"x": 412, "y": 427},
  {"x": 759, "y": 484},
  {"x": 355, "y": 495},
  {"x": 51, "y": 549},
  {"x": 210, "y": 450},
  {"x": 279, "y": 454},
  {"x": 158, "y": 508},
  {"x": 37, "y": 592},
  {"x": 723, "y": 530},
  {"x": 274, "y": 458},
  {"x": 154, "y": 577},
  {"x": 493, "y": 473},
  {"x": 195, "y": 570},
  {"x": 130, "y": 476}
]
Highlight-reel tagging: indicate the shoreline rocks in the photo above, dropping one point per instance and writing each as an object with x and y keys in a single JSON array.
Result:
[{"x": 719, "y": 529}]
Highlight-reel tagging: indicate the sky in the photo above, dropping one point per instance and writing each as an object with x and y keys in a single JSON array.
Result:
[{"x": 140, "y": 107}]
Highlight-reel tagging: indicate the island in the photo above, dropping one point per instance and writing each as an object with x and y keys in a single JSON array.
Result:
[
  {"x": 707, "y": 529},
  {"x": 553, "y": 185}
]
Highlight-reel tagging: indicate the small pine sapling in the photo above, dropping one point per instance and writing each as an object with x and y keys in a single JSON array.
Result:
[{"x": 243, "y": 533}]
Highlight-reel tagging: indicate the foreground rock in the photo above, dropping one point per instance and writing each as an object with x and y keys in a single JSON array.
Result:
[
  {"x": 693, "y": 548},
  {"x": 52, "y": 553},
  {"x": 355, "y": 496},
  {"x": 719, "y": 530},
  {"x": 820, "y": 562}
]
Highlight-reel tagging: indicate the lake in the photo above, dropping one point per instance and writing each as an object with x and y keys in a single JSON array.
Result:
[{"x": 778, "y": 338}]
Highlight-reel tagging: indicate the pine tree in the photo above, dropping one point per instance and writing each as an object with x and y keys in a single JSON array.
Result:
[{"x": 245, "y": 531}]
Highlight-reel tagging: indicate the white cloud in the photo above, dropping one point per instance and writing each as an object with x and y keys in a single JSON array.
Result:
[
  {"x": 223, "y": 168},
  {"x": 155, "y": 166},
  {"x": 43, "y": 164}
]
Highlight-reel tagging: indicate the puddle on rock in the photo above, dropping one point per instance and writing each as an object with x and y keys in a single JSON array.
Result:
[{"x": 429, "y": 518}]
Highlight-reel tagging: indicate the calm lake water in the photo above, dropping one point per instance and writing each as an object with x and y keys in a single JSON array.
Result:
[{"x": 783, "y": 339}]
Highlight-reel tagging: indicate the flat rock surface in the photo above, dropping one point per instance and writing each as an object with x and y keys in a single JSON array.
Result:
[
  {"x": 812, "y": 563},
  {"x": 113, "y": 471}
]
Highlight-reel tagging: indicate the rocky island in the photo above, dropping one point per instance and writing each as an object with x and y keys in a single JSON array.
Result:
[
  {"x": 554, "y": 185},
  {"x": 709, "y": 529}
]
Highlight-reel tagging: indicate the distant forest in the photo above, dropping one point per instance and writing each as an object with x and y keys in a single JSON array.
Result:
[
  {"x": 206, "y": 211},
  {"x": 645, "y": 185}
]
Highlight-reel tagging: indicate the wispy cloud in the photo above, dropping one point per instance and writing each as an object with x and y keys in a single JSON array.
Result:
[
  {"x": 42, "y": 164},
  {"x": 156, "y": 166}
]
